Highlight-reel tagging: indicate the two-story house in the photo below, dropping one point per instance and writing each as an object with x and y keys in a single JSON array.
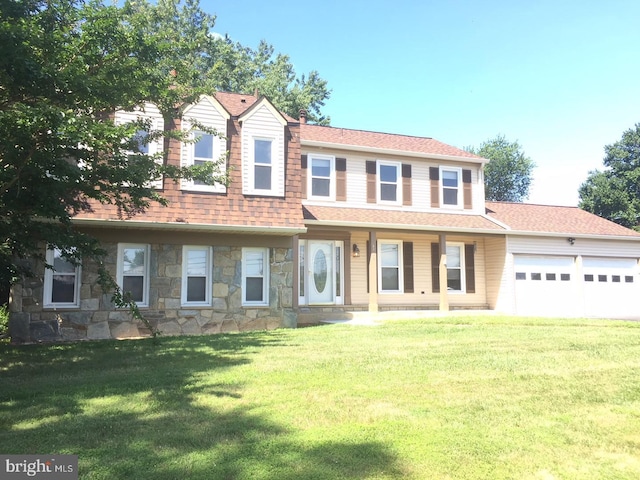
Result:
[{"x": 320, "y": 222}]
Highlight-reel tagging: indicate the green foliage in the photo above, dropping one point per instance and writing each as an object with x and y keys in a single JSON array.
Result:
[
  {"x": 65, "y": 65},
  {"x": 4, "y": 320},
  {"x": 615, "y": 192},
  {"x": 507, "y": 176}
]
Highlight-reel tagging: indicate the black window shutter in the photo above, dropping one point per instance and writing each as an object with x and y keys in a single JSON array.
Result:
[
  {"x": 407, "y": 192},
  {"x": 435, "y": 267},
  {"x": 469, "y": 268},
  {"x": 407, "y": 261}
]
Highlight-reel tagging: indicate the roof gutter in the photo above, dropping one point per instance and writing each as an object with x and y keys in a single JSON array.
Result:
[
  {"x": 391, "y": 151},
  {"x": 189, "y": 227},
  {"x": 524, "y": 233}
]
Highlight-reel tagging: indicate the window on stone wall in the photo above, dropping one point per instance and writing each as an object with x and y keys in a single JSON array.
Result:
[
  {"x": 62, "y": 284},
  {"x": 196, "y": 276},
  {"x": 255, "y": 276},
  {"x": 133, "y": 272}
]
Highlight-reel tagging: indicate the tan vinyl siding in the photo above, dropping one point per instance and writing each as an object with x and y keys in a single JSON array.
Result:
[
  {"x": 262, "y": 124},
  {"x": 423, "y": 295},
  {"x": 499, "y": 286},
  {"x": 581, "y": 246}
]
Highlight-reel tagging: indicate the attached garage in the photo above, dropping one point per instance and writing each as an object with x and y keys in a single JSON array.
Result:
[
  {"x": 564, "y": 286},
  {"x": 611, "y": 287},
  {"x": 545, "y": 285}
]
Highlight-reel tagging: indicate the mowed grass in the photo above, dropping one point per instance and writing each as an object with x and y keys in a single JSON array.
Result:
[{"x": 442, "y": 398}]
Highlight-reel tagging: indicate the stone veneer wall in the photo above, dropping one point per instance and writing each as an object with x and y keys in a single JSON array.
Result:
[{"x": 98, "y": 319}]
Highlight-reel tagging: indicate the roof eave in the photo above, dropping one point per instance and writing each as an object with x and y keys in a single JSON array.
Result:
[
  {"x": 390, "y": 151},
  {"x": 189, "y": 227},
  {"x": 401, "y": 226},
  {"x": 590, "y": 236}
]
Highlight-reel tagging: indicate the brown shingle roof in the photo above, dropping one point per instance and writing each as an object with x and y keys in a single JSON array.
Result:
[
  {"x": 397, "y": 219},
  {"x": 523, "y": 217},
  {"x": 235, "y": 103},
  {"x": 387, "y": 141}
]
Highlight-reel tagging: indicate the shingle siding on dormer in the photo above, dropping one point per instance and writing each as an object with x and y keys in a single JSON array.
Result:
[{"x": 263, "y": 124}]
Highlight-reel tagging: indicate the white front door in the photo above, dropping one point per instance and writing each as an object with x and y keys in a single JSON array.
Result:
[{"x": 320, "y": 265}]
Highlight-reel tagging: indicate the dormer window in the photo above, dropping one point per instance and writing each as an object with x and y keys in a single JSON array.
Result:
[
  {"x": 262, "y": 168},
  {"x": 202, "y": 151}
]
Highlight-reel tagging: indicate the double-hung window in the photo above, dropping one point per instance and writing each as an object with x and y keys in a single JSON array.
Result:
[
  {"x": 133, "y": 272},
  {"x": 262, "y": 166},
  {"x": 196, "y": 276},
  {"x": 455, "y": 267},
  {"x": 255, "y": 276},
  {"x": 451, "y": 181},
  {"x": 203, "y": 151},
  {"x": 390, "y": 266},
  {"x": 62, "y": 284},
  {"x": 389, "y": 182},
  {"x": 322, "y": 180}
]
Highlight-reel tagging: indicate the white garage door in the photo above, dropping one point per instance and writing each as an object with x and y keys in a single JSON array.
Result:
[
  {"x": 611, "y": 287},
  {"x": 546, "y": 286}
]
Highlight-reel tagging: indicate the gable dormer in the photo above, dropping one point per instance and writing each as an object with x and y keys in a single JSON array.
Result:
[
  {"x": 206, "y": 146},
  {"x": 263, "y": 150},
  {"x": 151, "y": 114}
]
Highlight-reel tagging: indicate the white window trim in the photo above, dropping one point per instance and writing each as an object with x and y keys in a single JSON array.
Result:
[
  {"x": 48, "y": 285},
  {"x": 463, "y": 280},
  {"x": 398, "y": 167},
  {"x": 332, "y": 177},
  {"x": 156, "y": 147},
  {"x": 217, "y": 149},
  {"x": 252, "y": 168},
  {"x": 208, "y": 276},
  {"x": 460, "y": 203},
  {"x": 265, "y": 275},
  {"x": 146, "y": 280},
  {"x": 400, "y": 266}
]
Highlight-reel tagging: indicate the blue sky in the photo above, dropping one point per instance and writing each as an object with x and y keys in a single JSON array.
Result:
[{"x": 560, "y": 77}]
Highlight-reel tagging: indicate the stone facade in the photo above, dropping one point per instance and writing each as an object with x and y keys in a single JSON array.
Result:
[{"x": 97, "y": 317}]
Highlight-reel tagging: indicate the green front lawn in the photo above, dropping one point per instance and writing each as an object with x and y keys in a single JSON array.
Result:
[{"x": 444, "y": 398}]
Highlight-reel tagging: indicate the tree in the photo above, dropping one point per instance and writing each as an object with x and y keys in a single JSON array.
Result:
[
  {"x": 64, "y": 66},
  {"x": 615, "y": 192},
  {"x": 507, "y": 176}
]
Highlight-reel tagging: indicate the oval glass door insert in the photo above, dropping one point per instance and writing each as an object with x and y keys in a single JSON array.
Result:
[{"x": 320, "y": 271}]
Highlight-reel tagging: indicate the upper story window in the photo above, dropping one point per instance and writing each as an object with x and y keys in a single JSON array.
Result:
[
  {"x": 133, "y": 272},
  {"x": 204, "y": 146},
  {"x": 262, "y": 163},
  {"x": 451, "y": 180},
  {"x": 322, "y": 179},
  {"x": 62, "y": 284},
  {"x": 143, "y": 145},
  {"x": 389, "y": 183},
  {"x": 263, "y": 135}
]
